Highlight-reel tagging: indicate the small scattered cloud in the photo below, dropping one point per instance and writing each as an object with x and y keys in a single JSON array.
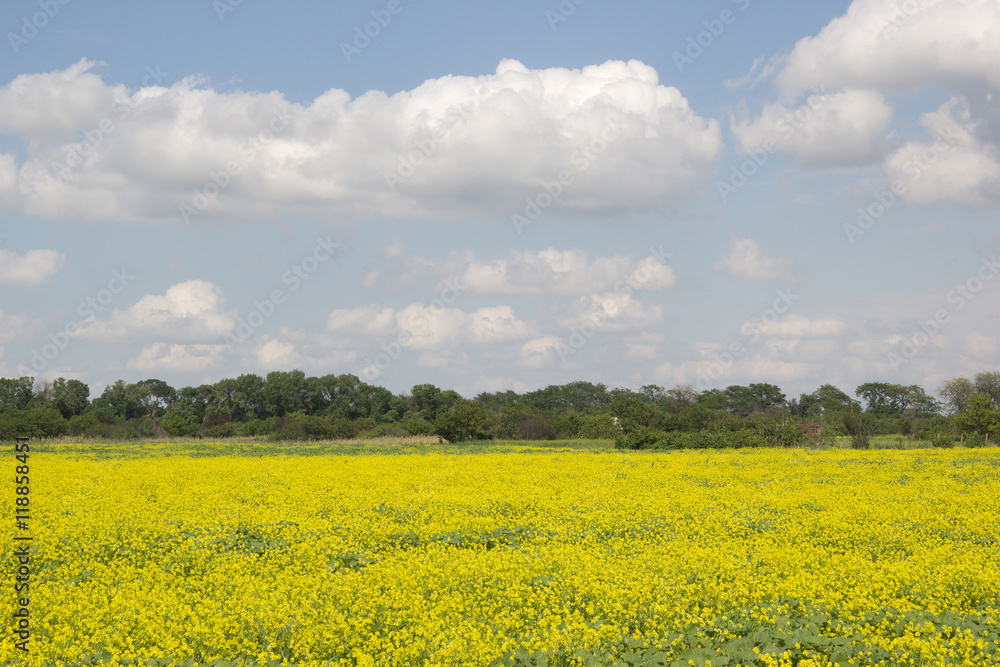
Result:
[
  {"x": 32, "y": 268},
  {"x": 747, "y": 260},
  {"x": 544, "y": 272},
  {"x": 177, "y": 358}
]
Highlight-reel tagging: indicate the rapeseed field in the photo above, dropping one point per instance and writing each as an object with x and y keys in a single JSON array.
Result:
[{"x": 520, "y": 557}]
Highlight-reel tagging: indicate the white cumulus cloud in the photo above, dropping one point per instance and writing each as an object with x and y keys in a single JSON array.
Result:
[
  {"x": 894, "y": 44},
  {"x": 428, "y": 327},
  {"x": 747, "y": 260},
  {"x": 32, "y": 268},
  {"x": 177, "y": 358},
  {"x": 455, "y": 144},
  {"x": 954, "y": 164},
  {"x": 549, "y": 271},
  {"x": 846, "y": 127},
  {"x": 191, "y": 310}
]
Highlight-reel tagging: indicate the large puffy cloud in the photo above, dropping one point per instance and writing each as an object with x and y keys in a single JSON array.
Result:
[
  {"x": 846, "y": 127},
  {"x": 454, "y": 144},
  {"x": 747, "y": 260},
  {"x": 888, "y": 45},
  {"x": 897, "y": 45},
  {"x": 191, "y": 310},
  {"x": 32, "y": 268},
  {"x": 954, "y": 164},
  {"x": 55, "y": 106},
  {"x": 549, "y": 271}
]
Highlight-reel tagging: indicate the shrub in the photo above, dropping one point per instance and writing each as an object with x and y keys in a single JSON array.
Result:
[
  {"x": 33, "y": 423},
  {"x": 974, "y": 440},
  {"x": 536, "y": 427},
  {"x": 224, "y": 430},
  {"x": 86, "y": 424},
  {"x": 693, "y": 440},
  {"x": 463, "y": 421},
  {"x": 418, "y": 426},
  {"x": 297, "y": 427},
  {"x": 393, "y": 430},
  {"x": 780, "y": 432},
  {"x": 640, "y": 437},
  {"x": 634, "y": 413},
  {"x": 860, "y": 427},
  {"x": 596, "y": 427},
  {"x": 944, "y": 441},
  {"x": 180, "y": 423},
  {"x": 256, "y": 427}
]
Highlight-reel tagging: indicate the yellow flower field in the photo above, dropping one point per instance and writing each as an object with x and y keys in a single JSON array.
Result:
[{"x": 775, "y": 557}]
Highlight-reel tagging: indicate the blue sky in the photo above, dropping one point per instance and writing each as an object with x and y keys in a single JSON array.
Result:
[{"x": 751, "y": 192}]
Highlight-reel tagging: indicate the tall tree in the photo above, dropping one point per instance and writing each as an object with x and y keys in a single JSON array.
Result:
[
  {"x": 248, "y": 397},
  {"x": 980, "y": 416},
  {"x": 119, "y": 401},
  {"x": 427, "y": 400},
  {"x": 573, "y": 396},
  {"x": 956, "y": 393},
  {"x": 155, "y": 396},
  {"x": 681, "y": 397},
  {"x": 16, "y": 393},
  {"x": 342, "y": 395},
  {"x": 989, "y": 383},
  {"x": 767, "y": 398},
  {"x": 739, "y": 400},
  {"x": 886, "y": 399},
  {"x": 70, "y": 397},
  {"x": 826, "y": 400},
  {"x": 498, "y": 400},
  {"x": 760, "y": 398},
  {"x": 197, "y": 398},
  {"x": 285, "y": 392}
]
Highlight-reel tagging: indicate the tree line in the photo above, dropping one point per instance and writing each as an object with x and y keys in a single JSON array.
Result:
[{"x": 294, "y": 406}]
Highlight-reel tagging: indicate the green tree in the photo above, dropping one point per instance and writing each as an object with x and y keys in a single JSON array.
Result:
[
  {"x": 248, "y": 397},
  {"x": 499, "y": 400},
  {"x": 465, "y": 420},
  {"x": 428, "y": 401},
  {"x": 989, "y": 383},
  {"x": 767, "y": 398},
  {"x": 956, "y": 393},
  {"x": 16, "y": 393},
  {"x": 196, "y": 398},
  {"x": 283, "y": 393},
  {"x": 577, "y": 396},
  {"x": 885, "y": 399},
  {"x": 979, "y": 416},
  {"x": 680, "y": 397},
  {"x": 155, "y": 396},
  {"x": 340, "y": 395},
  {"x": 860, "y": 426},
  {"x": 762, "y": 398},
  {"x": 826, "y": 400},
  {"x": 119, "y": 401},
  {"x": 634, "y": 413},
  {"x": 713, "y": 399},
  {"x": 181, "y": 420},
  {"x": 70, "y": 397}
]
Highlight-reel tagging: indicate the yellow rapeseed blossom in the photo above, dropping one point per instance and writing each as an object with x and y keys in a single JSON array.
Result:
[{"x": 454, "y": 559}]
